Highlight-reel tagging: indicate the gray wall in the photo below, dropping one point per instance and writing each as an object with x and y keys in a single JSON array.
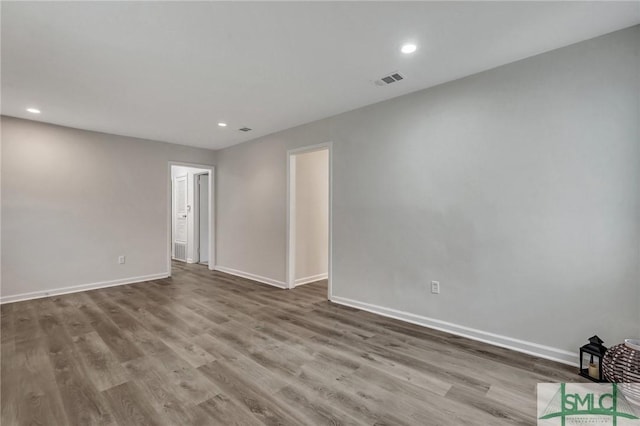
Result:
[
  {"x": 73, "y": 200},
  {"x": 517, "y": 188}
]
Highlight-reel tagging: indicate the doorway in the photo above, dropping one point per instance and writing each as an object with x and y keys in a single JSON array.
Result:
[
  {"x": 180, "y": 217},
  {"x": 191, "y": 236},
  {"x": 309, "y": 215}
]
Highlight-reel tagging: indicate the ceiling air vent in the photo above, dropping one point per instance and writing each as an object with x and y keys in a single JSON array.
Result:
[
  {"x": 388, "y": 79},
  {"x": 245, "y": 129}
]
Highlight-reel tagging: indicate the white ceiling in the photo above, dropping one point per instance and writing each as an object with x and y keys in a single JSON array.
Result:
[{"x": 170, "y": 71}]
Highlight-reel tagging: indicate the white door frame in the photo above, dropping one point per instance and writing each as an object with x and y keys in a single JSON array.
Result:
[
  {"x": 291, "y": 217},
  {"x": 212, "y": 216}
]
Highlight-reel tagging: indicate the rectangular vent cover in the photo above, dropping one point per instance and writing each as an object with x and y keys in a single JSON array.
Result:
[
  {"x": 180, "y": 251},
  {"x": 389, "y": 79}
]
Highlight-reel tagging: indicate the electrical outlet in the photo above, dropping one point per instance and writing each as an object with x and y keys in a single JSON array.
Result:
[
  {"x": 435, "y": 287},
  {"x": 122, "y": 259}
]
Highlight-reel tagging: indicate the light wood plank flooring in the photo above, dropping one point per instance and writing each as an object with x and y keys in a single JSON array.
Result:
[{"x": 207, "y": 348}]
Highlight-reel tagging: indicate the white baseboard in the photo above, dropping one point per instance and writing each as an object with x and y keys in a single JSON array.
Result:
[
  {"x": 310, "y": 279},
  {"x": 535, "y": 349},
  {"x": 77, "y": 288},
  {"x": 250, "y": 276}
]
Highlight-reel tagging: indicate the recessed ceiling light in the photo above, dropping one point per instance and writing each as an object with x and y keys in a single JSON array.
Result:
[
  {"x": 221, "y": 124},
  {"x": 33, "y": 110},
  {"x": 408, "y": 48}
]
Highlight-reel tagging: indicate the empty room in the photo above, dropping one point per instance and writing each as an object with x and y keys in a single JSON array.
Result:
[{"x": 310, "y": 213}]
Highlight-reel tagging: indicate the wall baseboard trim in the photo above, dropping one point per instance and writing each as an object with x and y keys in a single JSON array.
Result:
[
  {"x": 77, "y": 288},
  {"x": 253, "y": 277},
  {"x": 310, "y": 279},
  {"x": 530, "y": 348}
]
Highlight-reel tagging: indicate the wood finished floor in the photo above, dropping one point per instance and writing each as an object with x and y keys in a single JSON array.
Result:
[{"x": 207, "y": 348}]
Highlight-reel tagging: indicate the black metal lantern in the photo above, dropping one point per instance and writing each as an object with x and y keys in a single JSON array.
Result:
[{"x": 591, "y": 359}]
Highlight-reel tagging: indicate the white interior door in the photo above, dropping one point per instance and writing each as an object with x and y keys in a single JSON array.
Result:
[
  {"x": 180, "y": 218},
  {"x": 203, "y": 188}
]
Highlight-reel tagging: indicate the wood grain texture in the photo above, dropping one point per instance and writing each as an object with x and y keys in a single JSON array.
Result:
[{"x": 208, "y": 348}]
